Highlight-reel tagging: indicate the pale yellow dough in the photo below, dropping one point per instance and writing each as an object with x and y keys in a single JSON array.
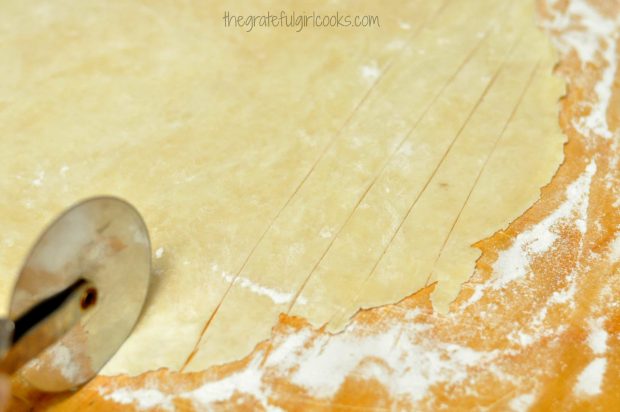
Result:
[{"x": 312, "y": 173}]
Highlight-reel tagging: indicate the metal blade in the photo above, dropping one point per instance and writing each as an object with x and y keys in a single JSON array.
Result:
[{"x": 105, "y": 242}]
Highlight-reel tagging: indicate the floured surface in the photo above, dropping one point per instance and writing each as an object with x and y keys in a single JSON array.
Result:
[
  {"x": 277, "y": 171},
  {"x": 309, "y": 173}
]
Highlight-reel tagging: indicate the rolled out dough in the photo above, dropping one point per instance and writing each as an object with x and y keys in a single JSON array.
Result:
[{"x": 311, "y": 172}]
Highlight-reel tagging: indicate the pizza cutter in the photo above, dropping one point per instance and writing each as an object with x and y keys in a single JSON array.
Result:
[{"x": 78, "y": 295}]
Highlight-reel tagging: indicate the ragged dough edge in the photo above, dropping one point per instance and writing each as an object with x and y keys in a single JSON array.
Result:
[
  {"x": 444, "y": 293},
  {"x": 560, "y": 85}
]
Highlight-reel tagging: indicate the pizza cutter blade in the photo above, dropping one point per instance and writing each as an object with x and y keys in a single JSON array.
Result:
[{"x": 78, "y": 295}]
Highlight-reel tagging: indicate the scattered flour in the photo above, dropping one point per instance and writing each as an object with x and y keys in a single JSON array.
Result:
[
  {"x": 408, "y": 368},
  {"x": 521, "y": 338},
  {"x": 614, "y": 249},
  {"x": 159, "y": 253},
  {"x": 140, "y": 398},
  {"x": 514, "y": 262},
  {"x": 288, "y": 349},
  {"x": 597, "y": 339},
  {"x": 326, "y": 233},
  {"x": 371, "y": 71},
  {"x": 594, "y": 39},
  {"x": 63, "y": 361},
  {"x": 276, "y": 296},
  {"x": 38, "y": 181},
  {"x": 590, "y": 380},
  {"x": 522, "y": 403},
  {"x": 248, "y": 381}
]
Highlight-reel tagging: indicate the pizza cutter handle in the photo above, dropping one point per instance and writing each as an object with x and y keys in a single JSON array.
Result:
[{"x": 26, "y": 337}]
